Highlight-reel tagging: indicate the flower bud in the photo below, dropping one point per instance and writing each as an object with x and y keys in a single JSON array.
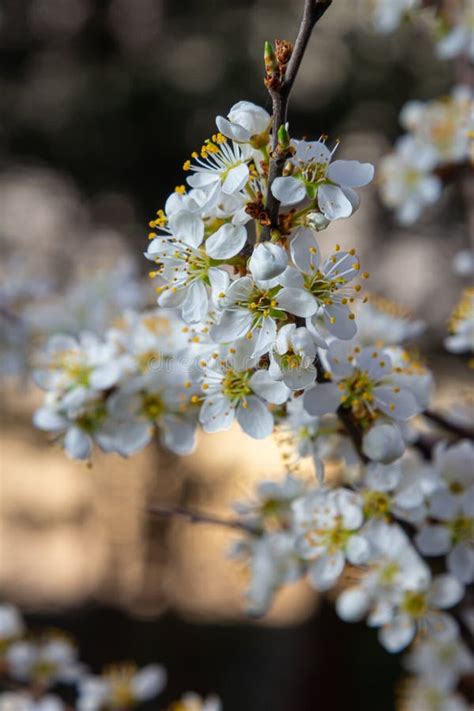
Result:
[
  {"x": 267, "y": 261},
  {"x": 283, "y": 139},
  {"x": 317, "y": 221},
  {"x": 383, "y": 443}
]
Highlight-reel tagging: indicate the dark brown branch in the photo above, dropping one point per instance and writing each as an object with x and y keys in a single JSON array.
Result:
[
  {"x": 459, "y": 430},
  {"x": 193, "y": 516},
  {"x": 312, "y": 12}
]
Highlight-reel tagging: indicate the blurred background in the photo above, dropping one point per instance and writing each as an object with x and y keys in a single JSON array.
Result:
[{"x": 101, "y": 101}]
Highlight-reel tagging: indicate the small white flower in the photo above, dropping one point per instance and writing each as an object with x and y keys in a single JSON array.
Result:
[
  {"x": 327, "y": 522},
  {"x": 407, "y": 182},
  {"x": 320, "y": 290},
  {"x": 194, "y": 702},
  {"x": 245, "y": 122},
  {"x": 121, "y": 687},
  {"x": 11, "y": 623},
  {"x": 315, "y": 177},
  {"x": 231, "y": 393},
  {"x": 46, "y": 661},
  {"x": 22, "y": 701},
  {"x": 292, "y": 358},
  {"x": 364, "y": 382},
  {"x": 268, "y": 261},
  {"x": 274, "y": 562},
  {"x": 439, "y": 662},
  {"x": 386, "y": 15},
  {"x": 220, "y": 166},
  {"x": 461, "y": 325}
]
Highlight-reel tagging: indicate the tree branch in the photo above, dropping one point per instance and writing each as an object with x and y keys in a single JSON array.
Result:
[
  {"x": 193, "y": 516},
  {"x": 459, "y": 430},
  {"x": 312, "y": 12}
]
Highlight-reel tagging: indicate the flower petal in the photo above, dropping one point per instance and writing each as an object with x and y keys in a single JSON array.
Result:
[
  {"x": 226, "y": 242},
  {"x": 323, "y": 398},
  {"x": 255, "y": 419},
  {"x": 350, "y": 173},
  {"x": 333, "y": 203},
  {"x": 289, "y": 191}
]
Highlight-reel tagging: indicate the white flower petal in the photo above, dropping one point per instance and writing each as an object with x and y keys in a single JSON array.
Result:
[
  {"x": 268, "y": 261},
  {"x": 289, "y": 191},
  {"x": 446, "y": 591},
  {"x": 333, "y": 203},
  {"x": 234, "y": 324},
  {"x": 305, "y": 251},
  {"x": 255, "y": 419},
  {"x": 226, "y": 242},
  {"x": 236, "y": 179},
  {"x": 323, "y": 398},
  {"x": 77, "y": 443},
  {"x": 350, "y": 173},
  {"x": 325, "y": 571},
  {"x": 398, "y": 634},
  {"x": 273, "y": 391},
  {"x": 187, "y": 227},
  {"x": 296, "y": 301},
  {"x": 357, "y": 550},
  {"x": 195, "y": 304},
  {"x": 352, "y": 605}
]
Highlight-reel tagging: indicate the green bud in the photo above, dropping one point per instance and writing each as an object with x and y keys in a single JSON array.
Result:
[
  {"x": 283, "y": 138},
  {"x": 271, "y": 64}
]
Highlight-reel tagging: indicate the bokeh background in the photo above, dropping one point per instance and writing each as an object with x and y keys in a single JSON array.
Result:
[{"x": 101, "y": 101}]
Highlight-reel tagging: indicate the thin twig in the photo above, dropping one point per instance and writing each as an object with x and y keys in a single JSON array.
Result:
[
  {"x": 312, "y": 12},
  {"x": 193, "y": 516},
  {"x": 459, "y": 430}
]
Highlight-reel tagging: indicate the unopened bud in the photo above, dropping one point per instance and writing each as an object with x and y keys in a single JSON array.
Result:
[
  {"x": 271, "y": 64},
  {"x": 317, "y": 221},
  {"x": 283, "y": 139}
]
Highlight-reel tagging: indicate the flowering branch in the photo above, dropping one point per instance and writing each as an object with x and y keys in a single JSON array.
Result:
[
  {"x": 193, "y": 516},
  {"x": 280, "y": 93}
]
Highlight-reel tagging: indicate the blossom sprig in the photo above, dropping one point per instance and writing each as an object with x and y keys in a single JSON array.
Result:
[
  {"x": 42, "y": 671},
  {"x": 438, "y": 140}
]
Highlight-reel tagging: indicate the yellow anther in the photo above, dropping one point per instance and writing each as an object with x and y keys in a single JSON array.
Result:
[
  {"x": 186, "y": 165},
  {"x": 365, "y": 275},
  {"x": 351, "y": 317},
  {"x": 391, "y": 407},
  {"x": 352, "y": 252},
  {"x": 337, "y": 247},
  {"x": 180, "y": 189},
  {"x": 187, "y": 384}
]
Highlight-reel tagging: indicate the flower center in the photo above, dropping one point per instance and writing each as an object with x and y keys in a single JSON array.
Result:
[
  {"x": 415, "y": 604},
  {"x": 376, "y": 504},
  {"x": 152, "y": 406},
  {"x": 263, "y": 304},
  {"x": 235, "y": 385},
  {"x": 91, "y": 421},
  {"x": 358, "y": 396},
  {"x": 462, "y": 529}
]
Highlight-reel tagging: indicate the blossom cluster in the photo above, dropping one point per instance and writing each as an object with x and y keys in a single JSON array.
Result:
[
  {"x": 32, "y": 308},
  {"x": 37, "y": 667},
  {"x": 116, "y": 390},
  {"x": 438, "y": 138},
  {"x": 450, "y": 22},
  {"x": 358, "y": 530}
]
